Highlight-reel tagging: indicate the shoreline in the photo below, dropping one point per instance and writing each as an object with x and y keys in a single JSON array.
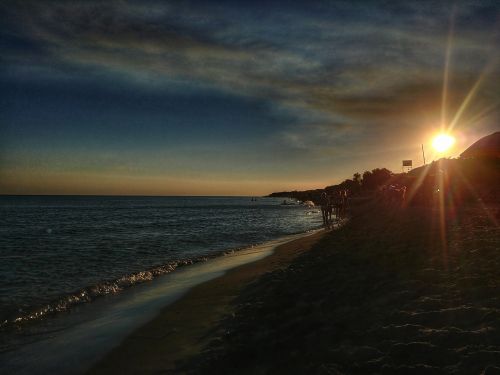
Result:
[
  {"x": 108, "y": 261},
  {"x": 67, "y": 302},
  {"x": 182, "y": 329},
  {"x": 106, "y": 322}
]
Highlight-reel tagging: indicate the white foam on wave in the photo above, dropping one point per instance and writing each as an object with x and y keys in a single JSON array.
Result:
[{"x": 90, "y": 293}]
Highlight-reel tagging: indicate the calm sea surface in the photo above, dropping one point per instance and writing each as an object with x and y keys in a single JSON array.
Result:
[{"x": 58, "y": 252}]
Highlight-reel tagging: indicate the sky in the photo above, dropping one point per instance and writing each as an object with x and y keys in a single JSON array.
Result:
[{"x": 236, "y": 97}]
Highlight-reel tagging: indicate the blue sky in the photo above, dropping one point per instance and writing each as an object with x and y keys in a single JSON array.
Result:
[{"x": 151, "y": 97}]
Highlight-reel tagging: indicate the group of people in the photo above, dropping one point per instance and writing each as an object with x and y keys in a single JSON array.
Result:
[{"x": 334, "y": 206}]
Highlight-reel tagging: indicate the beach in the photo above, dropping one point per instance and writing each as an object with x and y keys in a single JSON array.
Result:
[
  {"x": 391, "y": 292},
  {"x": 183, "y": 329},
  {"x": 246, "y": 187}
]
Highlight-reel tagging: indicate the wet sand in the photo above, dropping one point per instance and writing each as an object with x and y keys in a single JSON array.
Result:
[{"x": 182, "y": 330}]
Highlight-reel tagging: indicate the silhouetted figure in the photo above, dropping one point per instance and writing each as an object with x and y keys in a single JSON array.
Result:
[
  {"x": 330, "y": 209},
  {"x": 345, "y": 202},
  {"x": 325, "y": 203},
  {"x": 341, "y": 204}
]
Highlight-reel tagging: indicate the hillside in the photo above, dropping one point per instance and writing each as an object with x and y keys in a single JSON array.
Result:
[{"x": 486, "y": 147}]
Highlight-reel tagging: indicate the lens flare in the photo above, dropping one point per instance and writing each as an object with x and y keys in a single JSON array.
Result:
[{"x": 443, "y": 142}]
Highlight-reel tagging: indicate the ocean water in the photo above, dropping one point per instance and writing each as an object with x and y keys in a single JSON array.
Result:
[{"x": 59, "y": 252}]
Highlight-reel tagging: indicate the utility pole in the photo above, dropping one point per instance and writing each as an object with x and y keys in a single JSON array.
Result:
[{"x": 423, "y": 153}]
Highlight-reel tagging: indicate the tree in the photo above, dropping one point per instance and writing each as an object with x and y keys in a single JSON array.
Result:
[
  {"x": 356, "y": 178},
  {"x": 376, "y": 178}
]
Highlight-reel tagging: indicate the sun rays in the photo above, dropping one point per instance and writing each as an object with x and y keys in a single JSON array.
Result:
[
  {"x": 446, "y": 125},
  {"x": 444, "y": 96},
  {"x": 443, "y": 185}
]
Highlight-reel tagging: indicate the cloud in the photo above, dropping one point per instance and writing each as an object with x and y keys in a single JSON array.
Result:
[
  {"x": 343, "y": 73},
  {"x": 367, "y": 53}
]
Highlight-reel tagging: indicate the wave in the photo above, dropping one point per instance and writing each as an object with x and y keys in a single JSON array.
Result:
[
  {"x": 90, "y": 293},
  {"x": 107, "y": 287}
]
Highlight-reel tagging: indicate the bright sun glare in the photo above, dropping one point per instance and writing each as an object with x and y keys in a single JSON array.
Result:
[{"x": 443, "y": 142}]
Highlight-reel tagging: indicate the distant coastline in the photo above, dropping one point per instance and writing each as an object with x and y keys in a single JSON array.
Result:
[{"x": 470, "y": 179}]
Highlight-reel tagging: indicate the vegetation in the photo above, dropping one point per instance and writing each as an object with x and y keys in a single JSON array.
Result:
[
  {"x": 368, "y": 183},
  {"x": 460, "y": 180}
]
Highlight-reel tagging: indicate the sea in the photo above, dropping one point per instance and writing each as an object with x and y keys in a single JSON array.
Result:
[{"x": 59, "y": 254}]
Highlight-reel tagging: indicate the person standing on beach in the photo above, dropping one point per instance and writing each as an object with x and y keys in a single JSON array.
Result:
[
  {"x": 325, "y": 203},
  {"x": 340, "y": 204},
  {"x": 343, "y": 203},
  {"x": 330, "y": 209}
]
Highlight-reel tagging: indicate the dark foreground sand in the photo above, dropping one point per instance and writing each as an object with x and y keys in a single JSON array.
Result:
[
  {"x": 392, "y": 292},
  {"x": 184, "y": 329},
  {"x": 389, "y": 293}
]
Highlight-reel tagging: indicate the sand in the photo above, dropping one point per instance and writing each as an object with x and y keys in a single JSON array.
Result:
[
  {"x": 390, "y": 293},
  {"x": 182, "y": 330}
]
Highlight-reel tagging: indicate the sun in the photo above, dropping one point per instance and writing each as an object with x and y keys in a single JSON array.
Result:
[{"x": 443, "y": 142}]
